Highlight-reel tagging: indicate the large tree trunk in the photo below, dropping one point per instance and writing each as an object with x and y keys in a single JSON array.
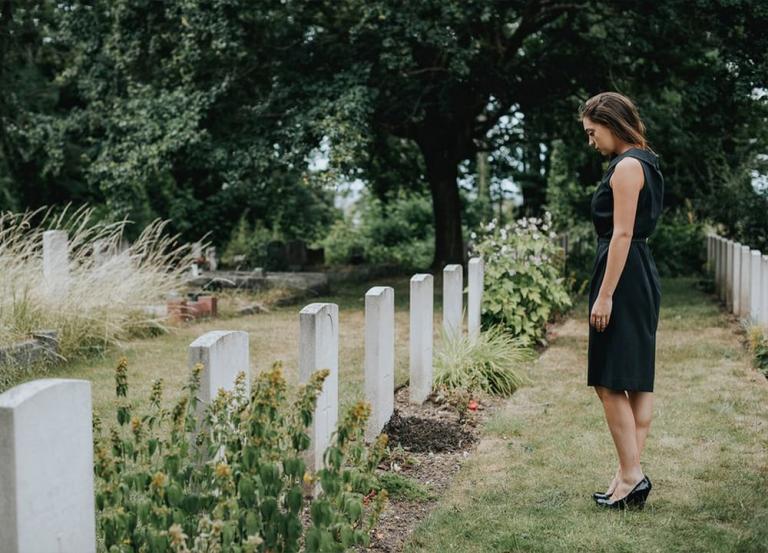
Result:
[{"x": 442, "y": 174}]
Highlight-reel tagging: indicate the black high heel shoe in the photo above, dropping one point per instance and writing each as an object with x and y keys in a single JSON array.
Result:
[
  {"x": 635, "y": 498},
  {"x": 601, "y": 495}
]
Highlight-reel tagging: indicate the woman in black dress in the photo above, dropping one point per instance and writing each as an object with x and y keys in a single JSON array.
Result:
[{"x": 625, "y": 289}]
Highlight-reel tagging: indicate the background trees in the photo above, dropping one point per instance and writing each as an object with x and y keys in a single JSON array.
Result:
[{"x": 204, "y": 111}]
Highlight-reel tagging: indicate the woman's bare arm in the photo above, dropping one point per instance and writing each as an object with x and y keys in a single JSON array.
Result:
[{"x": 626, "y": 182}]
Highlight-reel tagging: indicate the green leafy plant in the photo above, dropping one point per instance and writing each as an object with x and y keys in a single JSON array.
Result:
[
  {"x": 678, "y": 244},
  {"x": 232, "y": 477},
  {"x": 398, "y": 230},
  {"x": 757, "y": 342},
  {"x": 492, "y": 362},
  {"x": 523, "y": 282}
]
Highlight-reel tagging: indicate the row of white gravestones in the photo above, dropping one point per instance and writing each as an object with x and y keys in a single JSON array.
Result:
[
  {"x": 741, "y": 278},
  {"x": 54, "y": 415}
]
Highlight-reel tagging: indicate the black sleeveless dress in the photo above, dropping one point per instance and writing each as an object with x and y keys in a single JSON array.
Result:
[{"x": 622, "y": 356}]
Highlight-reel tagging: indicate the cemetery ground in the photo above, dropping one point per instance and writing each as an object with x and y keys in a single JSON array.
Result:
[
  {"x": 528, "y": 486},
  {"x": 517, "y": 475}
]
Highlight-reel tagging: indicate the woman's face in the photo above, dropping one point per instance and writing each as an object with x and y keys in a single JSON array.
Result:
[{"x": 600, "y": 137}]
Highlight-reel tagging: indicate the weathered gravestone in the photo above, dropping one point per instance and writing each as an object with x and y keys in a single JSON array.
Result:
[{"x": 46, "y": 468}]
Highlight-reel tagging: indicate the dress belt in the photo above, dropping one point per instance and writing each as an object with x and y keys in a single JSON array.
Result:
[{"x": 608, "y": 239}]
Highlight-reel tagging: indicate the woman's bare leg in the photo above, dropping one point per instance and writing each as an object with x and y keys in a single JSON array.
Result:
[
  {"x": 621, "y": 423},
  {"x": 642, "y": 409}
]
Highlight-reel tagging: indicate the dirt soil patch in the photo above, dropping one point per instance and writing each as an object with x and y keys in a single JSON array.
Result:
[{"x": 429, "y": 442}]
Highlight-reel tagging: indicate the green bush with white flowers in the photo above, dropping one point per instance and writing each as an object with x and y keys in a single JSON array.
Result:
[{"x": 524, "y": 286}]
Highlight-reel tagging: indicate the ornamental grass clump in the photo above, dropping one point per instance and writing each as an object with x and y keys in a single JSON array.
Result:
[
  {"x": 757, "y": 344},
  {"x": 523, "y": 285},
  {"x": 232, "y": 477},
  {"x": 492, "y": 362},
  {"x": 103, "y": 299}
]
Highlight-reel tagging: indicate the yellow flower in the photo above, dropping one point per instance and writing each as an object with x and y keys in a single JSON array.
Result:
[
  {"x": 177, "y": 535},
  {"x": 159, "y": 480},
  {"x": 308, "y": 478},
  {"x": 223, "y": 470}
]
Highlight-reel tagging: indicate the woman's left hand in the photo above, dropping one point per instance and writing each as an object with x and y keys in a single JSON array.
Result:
[{"x": 601, "y": 313}]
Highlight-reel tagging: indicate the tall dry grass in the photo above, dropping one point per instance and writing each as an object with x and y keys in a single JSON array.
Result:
[{"x": 109, "y": 285}]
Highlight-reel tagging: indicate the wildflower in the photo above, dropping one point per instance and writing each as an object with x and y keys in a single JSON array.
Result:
[
  {"x": 159, "y": 480},
  {"x": 223, "y": 470},
  {"x": 308, "y": 478},
  {"x": 177, "y": 535}
]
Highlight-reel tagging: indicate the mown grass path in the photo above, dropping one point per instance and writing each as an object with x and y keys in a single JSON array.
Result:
[{"x": 529, "y": 486}]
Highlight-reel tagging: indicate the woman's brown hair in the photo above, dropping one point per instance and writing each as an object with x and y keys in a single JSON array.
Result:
[{"x": 619, "y": 114}]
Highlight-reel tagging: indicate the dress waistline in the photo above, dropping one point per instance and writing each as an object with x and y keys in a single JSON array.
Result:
[{"x": 608, "y": 239}]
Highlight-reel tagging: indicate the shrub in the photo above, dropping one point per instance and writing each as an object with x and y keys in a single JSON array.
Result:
[
  {"x": 523, "y": 286},
  {"x": 678, "y": 244},
  {"x": 247, "y": 246},
  {"x": 239, "y": 485},
  {"x": 757, "y": 342},
  {"x": 398, "y": 230},
  {"x": 105, "y": 299},
  {"x": 492, "y": 362}
]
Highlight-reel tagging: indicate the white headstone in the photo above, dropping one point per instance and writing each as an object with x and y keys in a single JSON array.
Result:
[
  {"x": 476, "y": 270},
  {"x": 745, "y": 286},
  {"x": 56, "y": 261},
  {"x": 379, "y": 357},
  {"x": 421, "y": 337},
  {"x": 729, "y": 275},
  {"x": 223, "y": 354},
  {"x": 723, "y": 264},
  {"x": 210, "y": 256},
  {"x": 46, "y": 468},
  {"x": 453, "y": 289},
  {"x": 736, "y": 278},
  {"x": 319, "y": 349},
  {"x": 100, "y": 252},
  {"x": 194, "y": 270},
  {"x": 764, "y": 293},
  {"x": 717, "y": 259},
  {"x": 196, "y": 250},
  {"x": 755, "y": 281}
]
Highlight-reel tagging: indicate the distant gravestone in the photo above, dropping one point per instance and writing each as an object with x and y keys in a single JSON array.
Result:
[
  {"x": 475, "y": 270},
  {"x": 379, "y": 357},
  {"x": 319, "y": 349},
  {"x": 736, "y": 278},
  {"x": 764, "y": 296},
  {"x": 56, "y": 261},
  {"x": 99, "y": 252},
  {"x": 197, "y": 250},
  {"x": 453, "y": 287},
  {"x": 296, "y": 254},
  {"x": 277, "y": 255},
  {"x": 745, "y": 285},
  {"x": 421, "y": 337},
  {"x": 223, "y": 354},
  {"x": 211, "y": 258},
  {"x": 729, "y": 275},
  {"x": 46, "y": 468},
  {"x": 755, "y": 281}
]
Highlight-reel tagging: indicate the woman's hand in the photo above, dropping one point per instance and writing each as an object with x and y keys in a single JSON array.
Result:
[{"x": 601, "y": 313}]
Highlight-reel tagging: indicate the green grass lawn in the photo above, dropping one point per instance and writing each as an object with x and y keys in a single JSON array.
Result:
[{"x": 529, "y": 486}]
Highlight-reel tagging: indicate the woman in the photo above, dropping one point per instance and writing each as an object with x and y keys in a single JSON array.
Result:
[{"x": 625, "y": 289}]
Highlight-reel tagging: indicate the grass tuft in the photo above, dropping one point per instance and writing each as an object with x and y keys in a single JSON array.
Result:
[
  {"x": 103, "y": 300},
  {"x": 492, "y": 362}
]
